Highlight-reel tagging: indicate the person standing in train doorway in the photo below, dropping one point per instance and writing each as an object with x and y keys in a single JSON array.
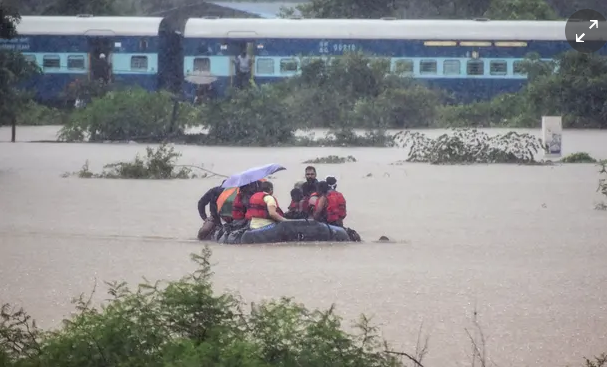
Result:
[{"x": 243, "y": 65}]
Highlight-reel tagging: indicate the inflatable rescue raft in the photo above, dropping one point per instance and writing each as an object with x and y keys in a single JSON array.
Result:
[{"x": 300, "y": 230}]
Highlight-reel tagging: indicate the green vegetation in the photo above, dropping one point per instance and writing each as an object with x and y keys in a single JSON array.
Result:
[
  {"x": 184, "y": 323},
  {"x": 331, "y": 159},
  {"x": 602, "y": 187},
  {"x": 579, "y": 157},
  {"x": 158, "y": 165},
  {"x": 470, "y": 146}
]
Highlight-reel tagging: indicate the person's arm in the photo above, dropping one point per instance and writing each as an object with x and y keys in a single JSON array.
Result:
[
  {"x": 320, "y": 206},
  {"x": 271, "y": 203},
  {"x": 203, "y": 202}
]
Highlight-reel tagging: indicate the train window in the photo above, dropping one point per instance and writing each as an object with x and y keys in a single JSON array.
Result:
[
  {"x": 202, "y": 64},
  {"x": 30, "y": 58},
  {"x": 51, "y": 62},
  {"x": 476, "y": 67},
  {"x": 452, "y": 67},
  {"x": 403, "y": 67},
  {"x": 143, "y": 45},
  {"x": 498, "y": 67},
  {"x": 139, "y": 63},
  {"x": 265, "y": 66},
  {"x": 75, "y": 62},
  {"x": 288, "y": 65},
  {"x": 518, "y": 68},
  {"x": 427, "y": 67}
]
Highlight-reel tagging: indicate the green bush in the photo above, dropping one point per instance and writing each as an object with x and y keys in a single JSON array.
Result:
[
  {"x": 468, "y": 146},
  {"x": 251, "y": 116},
  {"x": 579, "y": 157},
  {"x": 130, "y": 114},
  {"x": 184, "y": 323},
  {"x": 32, "y": 113},
  {"x": 159, "y": 165}
]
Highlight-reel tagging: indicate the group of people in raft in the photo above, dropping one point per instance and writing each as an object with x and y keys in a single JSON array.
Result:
[{"x": 255, "y": 206}]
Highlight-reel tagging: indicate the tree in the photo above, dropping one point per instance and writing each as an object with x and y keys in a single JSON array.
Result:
[
  {"x": 75, "y": 7},
  {"x": 14, "y": 69},
  {"x": 521, "y": 10}
]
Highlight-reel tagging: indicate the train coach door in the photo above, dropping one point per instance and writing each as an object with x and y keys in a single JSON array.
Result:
[
  {"x": 236, "y": 47},
  {"x": 100, "y": 58}
]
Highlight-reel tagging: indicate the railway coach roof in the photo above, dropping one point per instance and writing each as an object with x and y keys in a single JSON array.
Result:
[
  {"x": 379, "y": 29},
  {"x": 100, "y": 26}
]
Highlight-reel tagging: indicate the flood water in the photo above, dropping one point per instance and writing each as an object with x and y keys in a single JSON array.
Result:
[{"x": 522, "y": 245}]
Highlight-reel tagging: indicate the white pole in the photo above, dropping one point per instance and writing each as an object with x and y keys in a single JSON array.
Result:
[{"x": 552, "y": 136}]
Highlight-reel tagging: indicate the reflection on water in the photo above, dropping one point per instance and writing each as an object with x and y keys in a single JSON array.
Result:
[{"x": 521, "y": 244}]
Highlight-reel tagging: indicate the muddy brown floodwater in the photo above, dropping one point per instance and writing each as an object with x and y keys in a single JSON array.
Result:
[{"x": 521, "y": 244}]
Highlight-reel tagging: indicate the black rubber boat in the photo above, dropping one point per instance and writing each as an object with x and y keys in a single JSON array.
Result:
[{"x": 301, "y": 230}]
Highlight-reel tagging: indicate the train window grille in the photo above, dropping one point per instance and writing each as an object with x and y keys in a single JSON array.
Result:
[
  {"x": 75, "y": 62},
  {"x": 403, "y": 67},
  {"x": 51, "y": 62},
  {"x": 288, "y": 65},
  {"x": 452, "y": 67},
  {"x": 427, "y": 67},
  {"x": 202, "y": 64},
  {"x": 475, "y": 67},
  {"x": 139, "y": 63},
  {"x": 265, "y": 66},
  {"x": 498, "y": 67},
  {"x": 518, "y": 68}
]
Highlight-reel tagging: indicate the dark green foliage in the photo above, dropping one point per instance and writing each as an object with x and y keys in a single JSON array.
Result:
[
  {"x": 579, "y": 157},
  {"x": 128, "y": 115},
  {"x": 184, "y": 323},
  {"x": 470, "y": 146},
  {"x": 13, "y": 68},
  {"x": 331, "y": 159},
  {"x": 250, "y": 117}
]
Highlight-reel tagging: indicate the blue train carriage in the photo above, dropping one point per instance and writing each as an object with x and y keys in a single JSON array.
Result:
[
  {"x": 69, "y": 48},
  {"x": 474, "y": 59}
]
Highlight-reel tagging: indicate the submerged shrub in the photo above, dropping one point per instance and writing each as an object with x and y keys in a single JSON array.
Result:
[
  {"x": 467, "y": 146},
  {"x": 158, "y": 164},
  {"x": 184, "y": 323},
  {"x": 331, "y": 159},
  {"x": 579, "y": 157}
]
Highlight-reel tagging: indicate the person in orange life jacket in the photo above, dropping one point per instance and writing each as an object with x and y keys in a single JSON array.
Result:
[
  {"x": 331, "y": 206},
  {"x": 263, "y": 208}
]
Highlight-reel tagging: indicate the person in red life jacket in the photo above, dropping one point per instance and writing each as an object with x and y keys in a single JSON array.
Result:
[
  {"x": 241, "y": 201},
  {"x": 295, "y": 208},
  {"x": 263, "y": 208},
  {"x": 310, "y": 196},
  {"x": 331, "y": 206}
]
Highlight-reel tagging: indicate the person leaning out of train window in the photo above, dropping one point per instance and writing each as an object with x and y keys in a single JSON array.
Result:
[
  {"x": 331, "y": 206},
  {"x": 263, "y": 208}
]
